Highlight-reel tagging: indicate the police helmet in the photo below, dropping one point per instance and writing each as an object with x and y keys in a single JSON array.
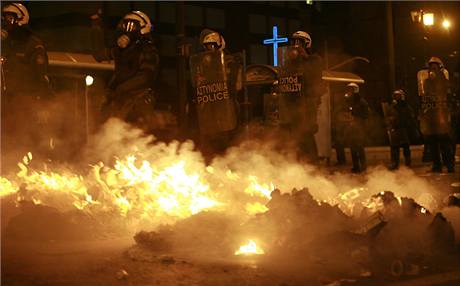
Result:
[
  {"x": 302, "y": 39},
  {"x": 212, "y": 40},
  {"x": 15, "y": 13},
  {"x": 135, "y": 22},
  {"x": 436, "y": 60},
  {"x": 399, "y": 94},
  {"x": 354, "y": 87}
]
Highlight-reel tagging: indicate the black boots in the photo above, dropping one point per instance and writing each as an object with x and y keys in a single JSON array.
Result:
[{"x": 395, "y": 157}]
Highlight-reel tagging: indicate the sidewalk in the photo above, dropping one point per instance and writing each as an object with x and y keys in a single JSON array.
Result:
[{"x": 445, "y": 182}]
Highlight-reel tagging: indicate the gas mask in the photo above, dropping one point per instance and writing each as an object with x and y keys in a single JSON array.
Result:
[
  {"x": 9, "y": 22},
  {"x": 212, "y": 41},
  {"x": 348, "y": 97},
  {"x": 130, "y": 30},
  {"x": 434, "y": 69},
  {"x": 397, "y": 97},
  {"x": 300, "y": 43},
  {"x": 211, "y": 46},
  {"x": 123, "y": 41}
]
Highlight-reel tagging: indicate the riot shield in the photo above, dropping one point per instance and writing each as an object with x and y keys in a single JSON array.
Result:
[
  {"x": 291, "y": 86},
  {"x": 434, "y": 112},
  {"x": 214, "y": 101}
]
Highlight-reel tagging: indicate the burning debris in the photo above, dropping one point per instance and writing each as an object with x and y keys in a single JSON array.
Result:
[
  {"x": 250, "y": 248},
  {"x": 398, "y": 239},
  {"x": 122, "y": 274},
  {"x": 235, "y": 207}
]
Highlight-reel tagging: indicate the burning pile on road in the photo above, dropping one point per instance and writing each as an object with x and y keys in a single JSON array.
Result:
[
  {"x": 391, "y": 236},
  {"x": 229, "y": 208}
]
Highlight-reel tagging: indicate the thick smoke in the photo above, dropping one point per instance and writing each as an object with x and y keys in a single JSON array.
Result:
[
  {"x": 244, "y": 175},
  {"x": 250, "y": 162},
  {"x": 228, "y": 175}
]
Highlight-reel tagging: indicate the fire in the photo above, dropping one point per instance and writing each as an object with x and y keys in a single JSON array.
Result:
[
  {"x": 130, "y": 188},
  {"x": 257, "y": 189},
  {"x": 7, "y": 187},
  {"x": 349, "y": 199},
  {"x": 172, "y": 191},
  {"x": 255, "y": 208},
  {"x": 61, "y": 190},
  {"x": 249, "y": 249},
  {"x": 137, "y": 189}
]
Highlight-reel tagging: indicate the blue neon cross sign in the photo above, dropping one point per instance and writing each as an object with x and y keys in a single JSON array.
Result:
[{"x": 274, "y": 41}]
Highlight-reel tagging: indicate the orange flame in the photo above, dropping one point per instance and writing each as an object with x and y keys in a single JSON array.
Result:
[
  {"x": 136, "y": 189},
  {"x": 250, "y": 248}
]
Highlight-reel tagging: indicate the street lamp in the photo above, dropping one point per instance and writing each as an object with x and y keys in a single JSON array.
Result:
[
  {"x": 428, "y": 19},
  {"x": 446, "y": 24},
  {"x": 88, "y": 82}
]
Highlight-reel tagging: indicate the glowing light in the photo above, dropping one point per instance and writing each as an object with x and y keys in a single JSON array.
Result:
[
  {"x": 7, "y": 187},
  {"x": 131, "y": 188},
  {"x": 255, "y": 208},
  {"x": 250, "y": 248},
  {"x": 348, "y": 200},
  {"x": 257, "y": 189},
  {"x": 423, "y": 210},
  {"x": 275, "y": 41},
  {"x": 89, "y": 80},
  {"x": 428, "y": 19},
  {"x": 446, "y": 24}
]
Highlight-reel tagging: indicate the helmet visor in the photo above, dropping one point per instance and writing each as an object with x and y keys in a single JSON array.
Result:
[
  {"x": 211, "y": 46},
  {"x": 9, "y": 18},
  {"x": 297, "y": 42},
  {"x": 130, "y": 26}
]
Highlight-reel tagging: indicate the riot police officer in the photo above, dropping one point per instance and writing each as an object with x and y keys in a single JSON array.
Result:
[
  {"x": 356, "y": 127},
  {"x": 400, "y": 123},
  {"x": 215, "y": 80},
  {"x": 300, "y": 88},
  {"x": 24, "y": 56},
  {"x": 433, "y": 84},
  {"x": 25, "y": 85},
  {"x": 136, "y": 59}
]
